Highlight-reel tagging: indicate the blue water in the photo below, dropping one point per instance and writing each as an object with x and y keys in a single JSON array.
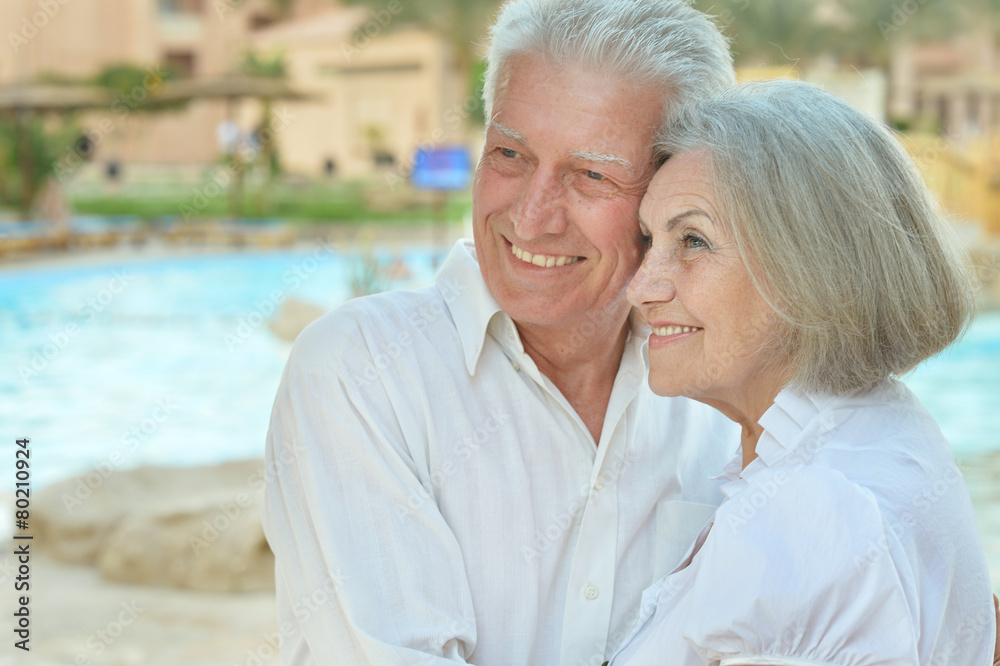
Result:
[
  {"x": 166, "y": 362},
  {"x": 169, "y": 361}
]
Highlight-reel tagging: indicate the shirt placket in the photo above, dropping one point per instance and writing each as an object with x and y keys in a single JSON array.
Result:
[{"x": 589, "y": 597}]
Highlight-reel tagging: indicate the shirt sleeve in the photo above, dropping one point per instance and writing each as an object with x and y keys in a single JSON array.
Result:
[
  {"x": 799, "y": 569},
  {"x": 364, "y": 574}
]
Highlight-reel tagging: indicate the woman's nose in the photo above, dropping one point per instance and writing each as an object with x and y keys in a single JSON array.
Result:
[{"x": 652, "y": 283}]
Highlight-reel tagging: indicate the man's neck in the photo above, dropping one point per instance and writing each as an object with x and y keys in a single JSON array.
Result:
[{"x": 582, "y": 361}]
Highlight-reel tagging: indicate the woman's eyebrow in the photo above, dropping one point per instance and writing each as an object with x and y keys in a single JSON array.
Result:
[{"x": 676, "y": 219}]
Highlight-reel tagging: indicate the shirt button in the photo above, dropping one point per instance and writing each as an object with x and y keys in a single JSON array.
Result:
[{"x": 591, "y": 592}]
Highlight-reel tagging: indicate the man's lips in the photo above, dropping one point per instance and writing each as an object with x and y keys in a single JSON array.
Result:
[{"x": 542, "y": 260}]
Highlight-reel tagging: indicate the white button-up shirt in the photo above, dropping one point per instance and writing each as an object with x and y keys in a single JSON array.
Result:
[
  {"x": 849, "y": 541},
  {"x": 433, "y": 497}
]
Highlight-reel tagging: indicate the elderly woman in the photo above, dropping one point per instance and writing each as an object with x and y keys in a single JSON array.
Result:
[{"x": 795, "y": 268}]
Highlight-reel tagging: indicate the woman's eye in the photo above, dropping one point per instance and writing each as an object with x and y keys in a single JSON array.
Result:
[
  {"x": 594, "y": 175},
  {"x": 507, "y": 152},
  {"x": 645, "y": 241},
  {"x": 694, "y": 241}
]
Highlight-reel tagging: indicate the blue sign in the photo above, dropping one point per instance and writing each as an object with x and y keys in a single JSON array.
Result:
[{"x": 446, "y": 168}]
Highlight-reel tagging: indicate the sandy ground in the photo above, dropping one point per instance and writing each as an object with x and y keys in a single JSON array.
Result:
[{"x": 79, "y": 619}]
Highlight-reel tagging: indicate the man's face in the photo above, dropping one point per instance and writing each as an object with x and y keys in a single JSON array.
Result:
[{"x": 556, "y": 197}]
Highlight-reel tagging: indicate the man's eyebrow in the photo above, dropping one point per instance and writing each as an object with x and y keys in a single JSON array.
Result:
[
  {"x": 602, "y": 158},
  {"x": 508, "y": 132}
]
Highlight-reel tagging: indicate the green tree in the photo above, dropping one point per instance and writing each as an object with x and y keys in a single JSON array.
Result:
[
  {"x": 29, "y": 150},
  {"x": 771, "y": 32}
]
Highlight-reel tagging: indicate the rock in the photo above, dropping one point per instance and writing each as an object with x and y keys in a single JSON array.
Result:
[
  {"x": 294, "y": 316},
  {"x": 196, "y": 528},
  {"x": 220, "y": 547}
]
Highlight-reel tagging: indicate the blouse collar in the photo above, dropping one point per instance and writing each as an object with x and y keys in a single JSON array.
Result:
[{"x": 785, "y": 422}]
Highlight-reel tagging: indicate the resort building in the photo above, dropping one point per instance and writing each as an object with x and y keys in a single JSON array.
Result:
[{"x": 377, "y": 92}]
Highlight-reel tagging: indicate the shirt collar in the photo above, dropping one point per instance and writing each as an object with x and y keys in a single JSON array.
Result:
[{"x": 470, "y": 302}]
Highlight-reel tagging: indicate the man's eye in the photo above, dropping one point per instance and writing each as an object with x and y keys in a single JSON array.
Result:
[
  {"x": 594, "y": 175},
  {"x": 507, "y": 152},
  {"x": 645, "y": 240}
]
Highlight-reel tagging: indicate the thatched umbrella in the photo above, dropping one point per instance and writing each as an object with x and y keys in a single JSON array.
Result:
[
  {"x": 49, "y": 97},
  {"x": 232, "y": 87}
]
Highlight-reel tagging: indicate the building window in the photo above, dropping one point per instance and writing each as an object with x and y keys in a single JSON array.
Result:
[
  {"x": 182, "y": 62},
  {"x": 261, "y": 21}
]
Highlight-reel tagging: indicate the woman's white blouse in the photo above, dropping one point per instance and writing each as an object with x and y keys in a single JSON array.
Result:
[{"x": 849, "y": 541}]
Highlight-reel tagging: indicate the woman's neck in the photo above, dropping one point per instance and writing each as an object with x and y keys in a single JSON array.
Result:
[{"x": 746, "y": 408}]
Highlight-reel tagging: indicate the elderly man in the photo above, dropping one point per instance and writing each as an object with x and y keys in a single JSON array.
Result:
[{"x": 476, "y": 471}]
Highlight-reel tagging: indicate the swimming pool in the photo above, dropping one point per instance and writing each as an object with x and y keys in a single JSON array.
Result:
[{"x": 169, "y": 361}]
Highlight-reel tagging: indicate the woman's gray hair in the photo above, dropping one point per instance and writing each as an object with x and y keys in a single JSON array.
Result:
[
  {"x": 836, "y": 227},
  {"x": 663, "y": 43}
]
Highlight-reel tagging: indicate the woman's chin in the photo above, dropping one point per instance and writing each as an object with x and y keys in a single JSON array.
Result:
[{"x": 666, "y": 389}]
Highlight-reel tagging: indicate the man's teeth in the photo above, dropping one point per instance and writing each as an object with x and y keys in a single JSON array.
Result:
[
  {"x": 542, "y": 260},
  {"x": 674, "y": 330}
]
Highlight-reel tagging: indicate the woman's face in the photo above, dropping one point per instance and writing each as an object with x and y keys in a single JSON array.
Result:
[{"x": 710, "y": 324}]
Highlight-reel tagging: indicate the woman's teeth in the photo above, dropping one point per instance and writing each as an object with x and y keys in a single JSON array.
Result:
[{"x": 674, "y": 330}]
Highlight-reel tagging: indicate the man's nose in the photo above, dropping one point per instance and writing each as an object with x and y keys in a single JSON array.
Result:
[{"x": 540, "y": 209}]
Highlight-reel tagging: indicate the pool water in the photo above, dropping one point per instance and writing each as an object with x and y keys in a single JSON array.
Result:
[
  {"x": 165, "y": 362},
  {"x": 170, "y": 361}
]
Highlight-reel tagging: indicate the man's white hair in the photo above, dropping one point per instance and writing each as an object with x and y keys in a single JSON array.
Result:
[{"x": 665, "y": 44}]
